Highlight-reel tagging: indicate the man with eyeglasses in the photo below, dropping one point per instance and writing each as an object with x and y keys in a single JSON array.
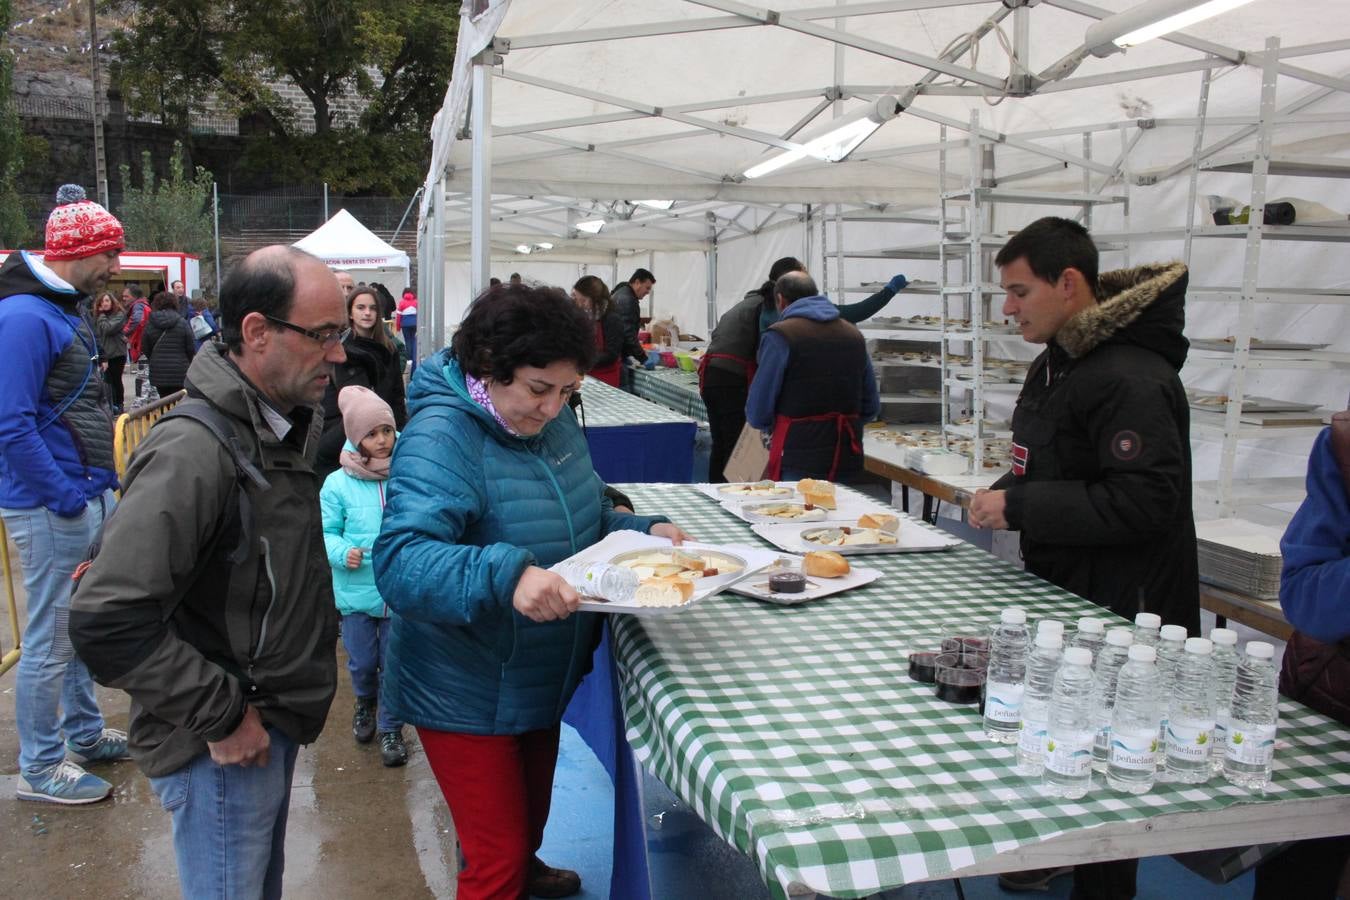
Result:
[{"x": 224, "y": 631}]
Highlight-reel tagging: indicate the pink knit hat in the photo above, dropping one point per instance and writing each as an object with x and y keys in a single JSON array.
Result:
[
  {"x": 79, "y": 227},
  {"x": 362, "y": 412}
]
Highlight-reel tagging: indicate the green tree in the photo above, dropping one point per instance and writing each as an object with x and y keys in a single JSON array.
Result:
[
  {"x": 167, "y": 213},
  {"x": 14, "y": 228},
  {"x": 395, "y": 55}
]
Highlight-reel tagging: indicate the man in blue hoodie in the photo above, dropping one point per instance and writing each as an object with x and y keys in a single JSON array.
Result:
[
  {"x": 814, "y": 388},
  {"x": 56, "y": 487}
]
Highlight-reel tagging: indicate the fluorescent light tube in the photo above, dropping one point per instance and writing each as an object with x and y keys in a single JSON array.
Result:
[
  {"x": 591, "y": 226},
  {"x": 522, "y": 248},
  {"x": 656, "y": 204},
  {"x": 1149, "y": 20},
  {"x": 841, "y": 137}
]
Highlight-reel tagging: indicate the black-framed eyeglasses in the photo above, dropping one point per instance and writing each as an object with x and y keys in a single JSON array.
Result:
[{"x": 329, "y": 339}]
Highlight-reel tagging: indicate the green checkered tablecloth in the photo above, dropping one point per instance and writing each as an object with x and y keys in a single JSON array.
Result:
[
  {"x": 674, "y": 388},
  {"x": 604, "y": 406},
  {"x": 797, "y": 735}
]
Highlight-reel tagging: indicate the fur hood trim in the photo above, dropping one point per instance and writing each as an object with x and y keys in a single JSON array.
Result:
[{"x": 1124, "y": 294}]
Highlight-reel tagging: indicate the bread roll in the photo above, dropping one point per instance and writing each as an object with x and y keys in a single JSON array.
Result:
[
  {"x": 664, "y": 592},
  {"x": 817, "y": 493},
  {"x": 879, "y": 521},
  {"x": 824, "y": 564}
]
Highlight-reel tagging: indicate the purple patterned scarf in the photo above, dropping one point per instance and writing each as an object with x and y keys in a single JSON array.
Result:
[{"x": 479, "y": 392}]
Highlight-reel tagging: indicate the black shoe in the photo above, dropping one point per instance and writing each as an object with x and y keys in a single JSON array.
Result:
[
  {"x": 393, "y": 752},
  {"x": 363, "y": 720},
  {"x": 1032, "y": 879},
  {"x": 546, "y": 881}
]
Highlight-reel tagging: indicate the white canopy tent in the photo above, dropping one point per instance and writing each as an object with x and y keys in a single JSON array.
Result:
[
  {"x": 563, "y": 114},
  {"x": 344, "y": 244}
]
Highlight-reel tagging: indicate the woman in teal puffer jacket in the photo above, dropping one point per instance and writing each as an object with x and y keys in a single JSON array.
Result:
[{"x": 492, "y": 482}]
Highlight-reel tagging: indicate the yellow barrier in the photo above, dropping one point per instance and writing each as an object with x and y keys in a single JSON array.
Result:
[
  {"x": 132, "y": 427},
  {"x": 130, "y": 430},
  {"x": 10, "y": 659}
]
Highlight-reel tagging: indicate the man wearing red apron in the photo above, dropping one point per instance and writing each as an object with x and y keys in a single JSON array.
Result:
[{"x": 814, "y": 388}]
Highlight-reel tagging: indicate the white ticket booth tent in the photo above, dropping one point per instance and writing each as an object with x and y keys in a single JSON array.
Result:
[
  {"x": 345, "y": 244},
  {"x": 607, "y": 137}
]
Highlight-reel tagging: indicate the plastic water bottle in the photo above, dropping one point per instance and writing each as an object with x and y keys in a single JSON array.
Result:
[
  {"x": 1252, "y": 720},
  {"x": 1068, "y": 744},
  {"x": 1146, "y": 626},
  {"x": 1007, "y": 672},
  {"x": 1090, "y": 634},
  {"x": 1040, "y": 683},
  {"x": 1190, "y": 717},
  {"x": 1171, "y": 645},
  {"x": 1050, "y": 626},
  {"x": 616, "y": 583},
  {"x": 1134, "y": 724},
  {"x": 1105, "y": 673},
  {"x": 1225, "y": 658}
]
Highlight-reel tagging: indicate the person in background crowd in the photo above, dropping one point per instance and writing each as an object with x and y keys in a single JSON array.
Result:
[
  {"x": 138, "y": 313},
  {"x": 1100, "y": 487},
  {"x": 57, "y": 479},
  {"x": 372, "y": 361},
  {"x": 814, "y": 387},
  {"x": 352, "y": 499},
  {"x": 346, "y": 282},
  {"x": 492, "y": 482},
  {"x": 388, "y": 305},
  {"x": 199, "y": 307},
  {"x": 169, "y": 343},
  {"x": 515, "y": 278},
  {"x": 184, "y": 307},
  {"x": 494, "y": 281},
  {"x": 728, "y": 365},
  {"x": 592, "y": 296},
  {"x": 221, "y": 699},
  {"x": 1314, "y": 587},
  {"x": 109, "y": 318},
  {"x": 627, "y": 300},
  {"x": 406, "y": 322}
]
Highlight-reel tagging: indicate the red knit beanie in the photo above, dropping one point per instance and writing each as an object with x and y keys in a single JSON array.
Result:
[{"x": 79, "y": 227}]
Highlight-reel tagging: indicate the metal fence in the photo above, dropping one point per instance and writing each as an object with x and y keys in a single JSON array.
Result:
[{"x": 42, "y": 106}]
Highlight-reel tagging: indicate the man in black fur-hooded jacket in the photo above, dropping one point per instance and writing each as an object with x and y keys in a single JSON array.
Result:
[{"x": 1101, "y": 482}]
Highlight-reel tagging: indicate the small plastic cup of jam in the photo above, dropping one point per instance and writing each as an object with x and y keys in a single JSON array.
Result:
[{"x": 957, "y": 682}]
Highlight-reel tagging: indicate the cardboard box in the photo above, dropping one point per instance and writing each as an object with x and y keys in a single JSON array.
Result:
[{"x": 749, "y": 458}]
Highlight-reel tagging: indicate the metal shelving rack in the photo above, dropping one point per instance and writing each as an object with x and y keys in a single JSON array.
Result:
[{"x": 1227, "y": 494}]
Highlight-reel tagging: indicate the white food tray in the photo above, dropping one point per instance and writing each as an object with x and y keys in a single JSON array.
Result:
[
  {"x": 850, "y": 508},
  {"x": 718, "y": 493},
  {"x": 620, "y": 542},
  {"x": 912, "y": 538},
  {"x": 757, "y": 587}
]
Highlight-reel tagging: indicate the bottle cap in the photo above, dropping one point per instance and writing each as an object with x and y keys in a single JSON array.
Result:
[
  {"x": 1142, "y": 653},
  {"x": 1260, "y": 650},
  {"x": 1013, "y": 615},
  {"x": 1223, "y": 637},
  {"x": 1150, "y": 621},
  {"x": 1050, "y": 626},
  {"x": 1078, "y": 656},
  {"x": 1199, "y": 646},
  {"x": 1173, "y": 633},
  {"x": 1120, "y": 637},
  {"x": 1091, "y": 625},
  {"x": 1049, "y": 640}
]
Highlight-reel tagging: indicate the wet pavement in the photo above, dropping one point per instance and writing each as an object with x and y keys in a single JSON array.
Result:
[{"x": 356, "y": 828}]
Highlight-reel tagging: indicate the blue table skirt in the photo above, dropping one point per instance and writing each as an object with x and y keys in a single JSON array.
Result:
[
  {"x": 660, "y": 452},
  {"x": 596, "y": 712}
]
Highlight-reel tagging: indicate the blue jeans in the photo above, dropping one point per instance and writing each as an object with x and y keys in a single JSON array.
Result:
[
  {"x": 410, "y": 341},
  {"x": 53, "y": 690},
  {"x": 229, "y": 823},
  {"x": 365, "y": 638}
]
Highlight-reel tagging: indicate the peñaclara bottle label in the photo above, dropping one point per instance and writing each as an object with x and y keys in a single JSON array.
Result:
[
  {"x": 1251, "y": 743},
  {"x": 1137, "y": 751},
  {"x": 1069, "y": 755},
  {"x": 1003, "y": 701},
  {"x": 1189, "y": 739}
]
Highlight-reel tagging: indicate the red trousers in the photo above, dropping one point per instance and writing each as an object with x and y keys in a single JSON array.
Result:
[{"x": 498, "y": 788}]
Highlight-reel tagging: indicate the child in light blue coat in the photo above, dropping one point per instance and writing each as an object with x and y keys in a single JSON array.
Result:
[{"x": 352, "y": 499}]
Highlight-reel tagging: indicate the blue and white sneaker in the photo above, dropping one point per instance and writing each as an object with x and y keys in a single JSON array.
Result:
[
  {"x": 64, "y": 783},
  {"x": 111, "y": 746}
]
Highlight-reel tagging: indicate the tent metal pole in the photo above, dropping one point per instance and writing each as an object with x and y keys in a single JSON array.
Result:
[
  {"x": 215, "y": 218},
  {"x": 480, "y": 226},
  {"x": 438, "y": 261},
  {"x": 1196, "y": 147},
  {"x": 712, "y": 274}
]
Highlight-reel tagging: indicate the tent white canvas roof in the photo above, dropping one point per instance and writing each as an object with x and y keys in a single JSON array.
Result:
[{"x": 343, "y": 242}]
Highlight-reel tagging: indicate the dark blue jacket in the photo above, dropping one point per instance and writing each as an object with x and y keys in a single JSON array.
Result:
[
  {"x": 47, "y": 350},
  {"x": 1315, "y": 581},
  {"x": 468, "y": 507}
]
